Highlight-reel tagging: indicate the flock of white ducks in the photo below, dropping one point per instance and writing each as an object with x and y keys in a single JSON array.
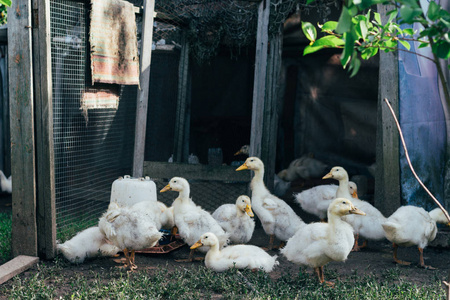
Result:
[{"x": 138, "y": 227}]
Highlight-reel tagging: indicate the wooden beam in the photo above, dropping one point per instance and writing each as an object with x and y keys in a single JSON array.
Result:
[
  {"x": 16, "y": 266},
  {"x": 23, "y": 169},
  {"x": 259, "y": 84},
  {"x": 263, "y": 139},
  {"x": 387, "y": 177},
  {"x": 143, "y": 92},
  {"x": 183, "y": 114},
  {"x": 194, "y": 172},
  {"x": 46, "y": 209}
]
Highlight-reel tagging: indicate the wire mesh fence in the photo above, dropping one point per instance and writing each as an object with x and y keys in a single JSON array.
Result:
[
  {"x": 206, "y": 193},
  {"x": 91, "y": 148}
]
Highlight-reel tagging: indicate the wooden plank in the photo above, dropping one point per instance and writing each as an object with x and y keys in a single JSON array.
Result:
[
  {"x": 259, "y": 84},
  {"x": 270, "y": 117},
  {"x": 263, "y": 139},
  {"x": 46, "y": 199},
  {"x": 16, "y": 266},
  {"x": 24, "y": 236},
  {"x": 182, "y": 121},
  {"x": 143, "y": 92},
  {"x": 387, "y": 179},
  {"x": 194, "y": 172}
]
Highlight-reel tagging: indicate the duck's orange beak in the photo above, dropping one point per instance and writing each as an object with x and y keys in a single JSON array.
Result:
[
  {"x": 248, "y": 210},
  {"x": 165, "y": 189},
  {"x": 356, "y": 211},
  {"x": 243, "y": 167},
  {"x": 329, "y": 175},
  {"x": 196, "y": 245}
]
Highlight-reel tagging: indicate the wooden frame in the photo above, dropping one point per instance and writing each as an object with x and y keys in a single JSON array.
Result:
[
  {"x": 143, "y": 92},
  {"x": 387, "y": 179},
  {"x": 46, "y": 216},
  {"x": 23, "y": 168}
]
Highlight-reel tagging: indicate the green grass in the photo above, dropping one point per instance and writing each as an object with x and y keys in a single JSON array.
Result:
[
  {"x": 201, "y": 283},
  {"x": 5, "y": 237}
]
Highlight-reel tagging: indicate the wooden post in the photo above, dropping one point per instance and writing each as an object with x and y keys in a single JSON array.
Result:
[
  {"x": 24, "y": 230},
  {"x": 263, "y": 139},
  {"x": 387, "y": 179},
  {"x": 144, "y": 84},
  {"x": 182, "y": 121},
  {"x": 46, "y": 210}
]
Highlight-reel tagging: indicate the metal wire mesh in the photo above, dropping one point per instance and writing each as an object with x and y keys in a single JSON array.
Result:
[
  {"x": 206, "y": 193},
  {"x": 89, "y": 153}
]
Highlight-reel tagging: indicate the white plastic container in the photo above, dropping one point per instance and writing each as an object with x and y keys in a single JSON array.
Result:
[{"x": 127, "y": 191}]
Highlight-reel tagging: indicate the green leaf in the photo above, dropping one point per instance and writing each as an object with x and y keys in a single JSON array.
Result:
[
  {"x": 377, "y": 18},
  {"x": 408, "y": 31},
  {"x": 311, "y": 49},
  {"x": 349, "y": 38},
  {"x": 329, "y": 26},
  {"x": 361, "y": 28},
  {"x": 369, "y": 52},
  {"x": 355, "y": 64},
  {"x": 309, "y": 1},
  {"x": 408, "y": 14},
  {"x": 433, "y": 11},
  {"x": 392, "y": 15},
  {"x": 405, "y": 44},
  {"x": 309, "y": 30},
  {"x": 423, "y": 45},
  {"x": 5, "y": 2},
  {"x": 329, "y": 40},
  {"x": 345, "y": 21},
  {"x": 443, "y": 50}
]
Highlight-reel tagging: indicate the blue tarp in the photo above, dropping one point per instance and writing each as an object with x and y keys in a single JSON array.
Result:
[{"x": 422, "y": 121}]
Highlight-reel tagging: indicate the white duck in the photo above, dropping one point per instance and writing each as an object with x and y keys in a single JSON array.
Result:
[
  {"x": 5, "y": 183},
  {"x": 317, "y": 199},
  {"x": 317, "y": 244},
  {"x": 412, "y": 225},
  {"x": 277, "y": 217},
  {"x": 280, "y": 186},
  {"x": 369, "y": 227},
  {"x": 236, "y": 256},
  {"x": 236, "y": 219},
  {"x": 85, "y": 244},
  {"x": 191, "y": 220},
  {"x": 131, "y": 228}
]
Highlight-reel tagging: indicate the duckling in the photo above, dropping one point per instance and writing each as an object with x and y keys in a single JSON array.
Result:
[
  {"x": 412, "y": 225},
  {"x": 317, "y": 199},
  {"x": 368, "y": 227},
  {"x": 276, "y": 216},
  {"x": 131, "y": 228},
  {"x": 85, "y": 244},
  {"x": 236, "y": 256},
  {"x": 236, "y": 219},
  {"x": 317, "y": 244},
  {"x": 191, "y": 220}
]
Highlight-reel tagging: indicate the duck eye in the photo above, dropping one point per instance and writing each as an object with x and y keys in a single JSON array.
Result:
[
  {"x": 174, "y": 181},
  {"x": 343, "y": 202},
  {"x": 206, "y": 237}
]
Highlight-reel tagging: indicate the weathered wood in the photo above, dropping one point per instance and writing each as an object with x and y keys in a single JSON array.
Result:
[
  {"x": 387, "y": 179},
  {"x": 182, "y": 121},
  {"x": 259, "y": 84},
  {"x": 46, "y": 210},
  {"x": 16, "y": 266},
  {"x": 144, "y": 85},
  {"x": 270, "y": 118},
  {"x": 263, "y": 139},
  {"x": 194, "y": 172},
  {"x": 23, "y": 170}
]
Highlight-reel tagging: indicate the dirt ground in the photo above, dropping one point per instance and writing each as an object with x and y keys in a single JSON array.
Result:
[{"x": 376, "y": 259}]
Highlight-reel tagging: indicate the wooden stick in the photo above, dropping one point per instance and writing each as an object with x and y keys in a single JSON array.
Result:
[
  {"x": 409, "y": 161},
  {"x": 447, "y": 286}
]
